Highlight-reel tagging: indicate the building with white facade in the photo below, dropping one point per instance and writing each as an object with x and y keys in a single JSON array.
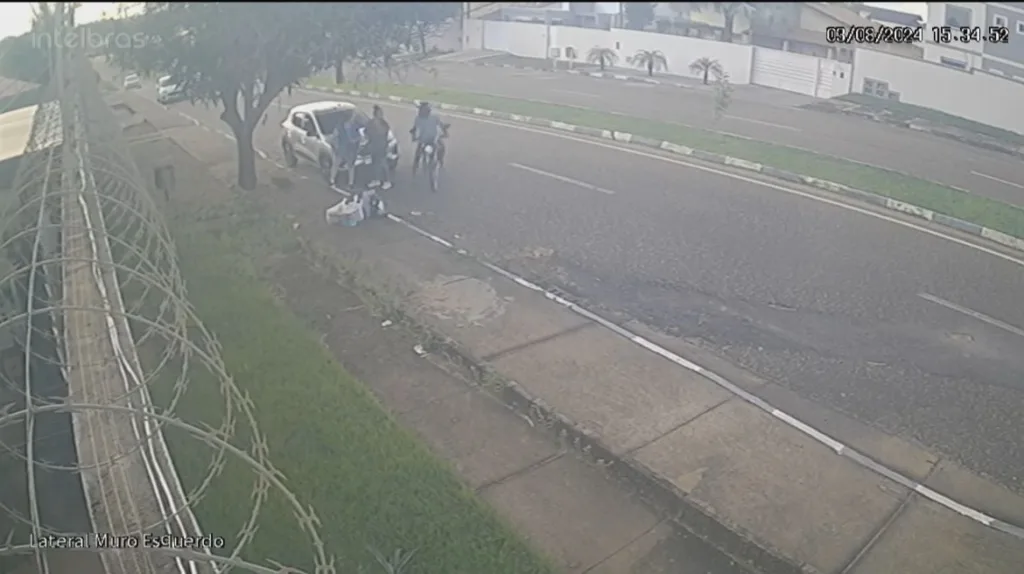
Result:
[{"x": 1005, "y": 59}]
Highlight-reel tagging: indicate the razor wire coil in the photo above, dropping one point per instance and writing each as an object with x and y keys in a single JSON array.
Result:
[{"x": 95, "y": 317}]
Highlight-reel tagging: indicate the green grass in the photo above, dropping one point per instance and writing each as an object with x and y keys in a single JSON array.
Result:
[
  {"x": 906, "y": 111},
  {"x": 987, "y": 212},
  {"x": 371, "y": 482}
]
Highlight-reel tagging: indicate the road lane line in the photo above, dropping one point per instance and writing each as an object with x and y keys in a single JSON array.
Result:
[
  {"x": 836, "y": 446},
  {"x": 664, "y": 158},
  {"x": 840, "y": 448},
  {"x": 763, "y": 123},
  {"x": 972, "y": 313},
  {"x": 562, "y": 178},
  {"x": 993, "y": 178}
]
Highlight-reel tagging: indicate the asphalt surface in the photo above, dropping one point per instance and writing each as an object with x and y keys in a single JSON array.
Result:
[
  {"x": 823, "y": 300},
  {"x": 759, "y": 113}
]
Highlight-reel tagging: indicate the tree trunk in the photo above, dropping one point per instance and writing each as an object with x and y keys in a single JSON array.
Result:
[
  {"x": 706, "y": 70},
  {"x": 246, "y": 158},
  {"x": 602, "y": 64},
  {"x": 423, "y": 40},
  {"x": 727, "y": 28},
  {"x": 650, "y": 68},
  {"x": 339, "y": 70}
]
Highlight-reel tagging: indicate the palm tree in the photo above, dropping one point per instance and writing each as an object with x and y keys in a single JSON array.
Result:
[
  {"x": 650, "y": 59},
  {"x": 729, "y": 11},
  {"x": 603, "y": 57},
  {"x": 706, "y": 66}
]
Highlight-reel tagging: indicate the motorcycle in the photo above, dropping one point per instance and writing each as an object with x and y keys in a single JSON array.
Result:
[{"x": 431, "y": 161}]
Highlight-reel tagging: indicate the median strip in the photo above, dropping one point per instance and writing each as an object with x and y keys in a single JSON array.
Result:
[{"x": 983, "y": 217}]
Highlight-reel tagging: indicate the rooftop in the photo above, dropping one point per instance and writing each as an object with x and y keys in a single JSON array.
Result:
[{"x": 16, "y": 129}]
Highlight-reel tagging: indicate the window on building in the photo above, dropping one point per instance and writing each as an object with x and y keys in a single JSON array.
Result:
[
  {"x": 957, "y": 16},
  {"x": 1020, "y": 26},
  {"x": 953, "y": 63},
  {"x": 998, "y": 20},
  {"x": 876, "y": 88}
]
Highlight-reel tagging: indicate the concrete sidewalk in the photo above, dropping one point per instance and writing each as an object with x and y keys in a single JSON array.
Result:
[{"x": 725, "y": 464}]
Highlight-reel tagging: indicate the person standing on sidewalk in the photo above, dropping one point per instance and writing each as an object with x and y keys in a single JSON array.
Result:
[{"x": 377, "y": 134}]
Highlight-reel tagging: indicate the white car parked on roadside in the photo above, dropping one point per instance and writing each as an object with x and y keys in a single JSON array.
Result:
[
  {"x": 305, "y": 131},
  {"x": 132, "y": 82},
  {"x": 169, "y": 89}
]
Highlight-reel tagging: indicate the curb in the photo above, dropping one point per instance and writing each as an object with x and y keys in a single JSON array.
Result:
[
  {"x": 964, "y": 226},
  {"x": 604, "y": 75},
  {"x": 650, "y": 486},
  {"x": 1018, "y": 153},
  {"x": 665, "y": 498}
]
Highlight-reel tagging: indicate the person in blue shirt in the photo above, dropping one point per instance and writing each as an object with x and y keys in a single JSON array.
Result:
[
  {"x": 427, "y": 129},
  {"x": 345, "y": 142}
]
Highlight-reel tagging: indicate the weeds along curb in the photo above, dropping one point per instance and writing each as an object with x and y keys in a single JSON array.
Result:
[
  {"x": 874, "y": 199},
  {"x": 666, "y": 499}
]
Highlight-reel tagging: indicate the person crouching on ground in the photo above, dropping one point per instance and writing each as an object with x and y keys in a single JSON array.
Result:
[{"x": 377, "y": 134}]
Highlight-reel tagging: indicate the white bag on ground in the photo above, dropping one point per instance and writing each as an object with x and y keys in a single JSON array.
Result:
[{"x": 347, "y": 212}]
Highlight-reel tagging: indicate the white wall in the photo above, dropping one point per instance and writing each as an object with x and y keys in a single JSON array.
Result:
[
  {"x": 679, "y": 51},
  {"x": 976, "y": 95},
  {"x": 799, "y": 73}
]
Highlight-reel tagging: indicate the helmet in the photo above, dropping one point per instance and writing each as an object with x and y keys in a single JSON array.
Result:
[{"x": 424, "y": 106}]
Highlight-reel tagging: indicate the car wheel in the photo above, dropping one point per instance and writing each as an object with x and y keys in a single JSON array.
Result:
[{"x": 289, "y": 155}]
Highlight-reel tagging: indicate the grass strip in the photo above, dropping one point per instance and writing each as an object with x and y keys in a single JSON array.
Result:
[
  {"x": 980, "y": 210},
  {"x": 371, "y": 483}
]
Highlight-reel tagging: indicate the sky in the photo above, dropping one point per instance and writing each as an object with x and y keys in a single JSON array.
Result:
[{"x": 16, "y": 17}]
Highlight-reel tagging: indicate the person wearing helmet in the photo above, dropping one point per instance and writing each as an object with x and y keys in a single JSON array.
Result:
[{"x": 426, "y": 129}]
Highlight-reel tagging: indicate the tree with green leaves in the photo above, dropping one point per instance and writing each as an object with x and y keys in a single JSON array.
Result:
[
  {"x": 424, "y": 20},
  {"x": 603, "y": 57},
  {"x": 639, "y": 15},
  {"x": 239, "y": 56},
  {"x": 649, "y": 60},
  {"x": 21, "y": 58},
  {"x": 729, "y": 12}
]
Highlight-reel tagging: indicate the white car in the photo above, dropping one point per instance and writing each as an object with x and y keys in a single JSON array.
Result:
[
  {"x": 132, "y": 82},
  {"x": 169, "y": 89},
  {"x": 305, "y": 130}
]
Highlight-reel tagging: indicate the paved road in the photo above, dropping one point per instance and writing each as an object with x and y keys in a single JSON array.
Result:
[
  {"x": 919, "y": 154},
  {"x": 823, "y": 300}
]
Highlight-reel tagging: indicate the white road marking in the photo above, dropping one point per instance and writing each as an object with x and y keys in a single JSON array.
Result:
[
  {"x": 562, "y": 178},
  {"x": 838, "y": 447},
  {"x": 972, "y": 313},
  {"x": 706, "y": 169},
  {"x": 575, "y": 93},
  {"x": 780, "y": 126},
  {"x": 993, "y": 178}
]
